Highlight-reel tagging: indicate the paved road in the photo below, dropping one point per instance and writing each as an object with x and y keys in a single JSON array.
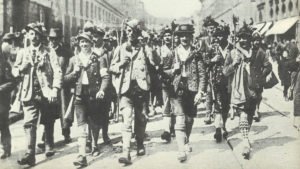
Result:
[{"x": 275, "y": 143}]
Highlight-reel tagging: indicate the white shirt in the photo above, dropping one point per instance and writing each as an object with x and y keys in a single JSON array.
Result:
[{"x": 84, "y": 59}]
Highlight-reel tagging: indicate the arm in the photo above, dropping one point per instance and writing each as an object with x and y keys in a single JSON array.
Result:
[
  {"x": 10, "y": 83},
  {"x": 267, "y": 65},
  {"x": 202, "y": 76},
  {"x": 57, "y": 72},
  {"x": 229, "y": 66},
  {"x": 70, "y": 75},
  {"x": 104, "y": 74}
]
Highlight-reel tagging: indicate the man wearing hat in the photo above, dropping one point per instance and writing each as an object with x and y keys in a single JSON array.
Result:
[
  {"x": 7, "y": 84},
  {"x": 63, "y": 52},
  {"x": 247, "y": 67},
  {"x": 210, "y": 26},
  {"x": 167, "y": 57},
  {"x": 130, "y": 69},
  {"x": 41, "y": 75},
  {"x": 189, "y": 87},
  {"x": 217, "y": 81},
  {"x": 58, "y": 110},
  {"x": 101, "y": 48},
  {"x": 88, "y": 73}
]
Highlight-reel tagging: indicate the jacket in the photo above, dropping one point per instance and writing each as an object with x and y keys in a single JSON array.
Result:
[{"x": 46, "y": 67}]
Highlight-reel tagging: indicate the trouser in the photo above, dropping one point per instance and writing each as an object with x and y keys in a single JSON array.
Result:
[
  {"x": 135, "y": 100},
  {"x": 88, "y": 113},
  {"x": 31, "y": 114},
  {"x": 246, "y": 112},
  {"x": 105, "y": 118},
  {"x": 185, "y": 111},
  {"x": 4, "y": 131},
  {"x": 221, "y": 105},
  {"x": 168, "y": 108}
]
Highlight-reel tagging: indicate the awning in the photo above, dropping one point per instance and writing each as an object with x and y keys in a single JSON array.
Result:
[
  {"x": 282, "y": 26},
  {"x": 266, "y": 28},
  {"x": 259, "y": 26}
]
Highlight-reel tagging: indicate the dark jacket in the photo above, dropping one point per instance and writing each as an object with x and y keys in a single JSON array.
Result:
[
  {"x": 7, "y": 84},
  {"x": 96, "y": 72},
  {"x": 196, "y": 79}
]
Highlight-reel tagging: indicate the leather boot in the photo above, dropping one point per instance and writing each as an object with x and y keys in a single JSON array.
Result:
[
  {"x": 126, "y": 158},
  {"x": 80, "y": 161},
  {"x": 166, "y": 136},
  {"x": 140, "y": 147},
  {"x": 29, "y": 157},
  {"x": 218, "y": 135}
]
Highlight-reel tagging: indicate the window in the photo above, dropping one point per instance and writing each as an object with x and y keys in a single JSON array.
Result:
[
  {"x": 92, "y": 10},
  {"x": 74, "y": 7},
  {"x": 67, "y": 6},
  {"x": 87, "y": 9},
  {"x": 99, "y": 13},
  {"x": 81, "y": 6}
]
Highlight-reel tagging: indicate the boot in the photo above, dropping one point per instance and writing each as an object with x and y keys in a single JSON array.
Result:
[
  {"x": 140, "y": 148},
  {"x": 80, "y": 161},
  {"x": 66, "y": 133},
  {"x": 182, "y": 157},
  {"x": 95, "y": 152},
  {"x": 29, "y": 157},
  {"x": 166, "y": 136},
  {"x": 247, "y": 149},
  {"x": 207, "y": 119},
  {"x": 126, "y": 158},
  {"x": 218, "y": 135}
]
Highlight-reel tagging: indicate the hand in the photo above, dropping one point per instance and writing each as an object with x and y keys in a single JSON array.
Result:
[
  {"x": 76, "y": 69},
  {"x": 25, "y": 66},
  {"x": 53, "y": 95},
  {"x": 176, "y": 67},
  {"x": 124, "y": 61},
  {"x": 216, "y": 58},
  {"x": 100, "y": 95},
  {"x": 198, "y": 98}
]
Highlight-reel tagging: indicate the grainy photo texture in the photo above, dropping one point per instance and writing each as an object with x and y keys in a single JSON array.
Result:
[{"x": 150, "y": 84}]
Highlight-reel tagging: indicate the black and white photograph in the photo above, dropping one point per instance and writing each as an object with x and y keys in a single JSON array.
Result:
[{"x": 150, "y": 84}]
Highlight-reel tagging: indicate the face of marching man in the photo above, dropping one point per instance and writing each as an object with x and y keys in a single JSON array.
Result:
[
  {"x": 34, "y": 37},
  {"x": 210, "y": 30},
  {"x": 131, "y": 35},
  {"x": 186, "y": 39},
  {"x": 245, "y": 43},
  {"x": 167, "y": 38},
  {"x": 85, "y": 45},
  {"x": 53, "y": 42}
]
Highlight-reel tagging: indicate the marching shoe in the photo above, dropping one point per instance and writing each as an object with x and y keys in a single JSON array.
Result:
[
  {"x": 106, "y": 140},
  {"x": 257, "y": 116},
  {"x": 246, "y": 150},
  {"x": 225, "y": 134},
  {"x": 41, "y": 146},
  {"x": 218, "y": 135},
  {"x": 88, "y": 147},
  {"x": 188, "y": 148},
  {"x": 80, "y": 161},
  {"x": 49, "y": 151},
  {"x": 67, "y": 140},
  {"x": 5, "y": 155},
  {"x": 140, "y": 149},
  {"x": 125, "y": 159},
  {"x": 207, "y": 119},
  {"x": 28, "y": 159},
  {"x": 95, "y": 152},
  {"x": 182, "y": 157},
  {"x": 166, "y": 136}
]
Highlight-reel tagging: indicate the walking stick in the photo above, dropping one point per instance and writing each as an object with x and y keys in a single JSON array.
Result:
[{"x": 116, "y": 119}]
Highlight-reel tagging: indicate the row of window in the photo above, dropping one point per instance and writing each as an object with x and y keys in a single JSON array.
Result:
[{"x": 92, "y": 11}]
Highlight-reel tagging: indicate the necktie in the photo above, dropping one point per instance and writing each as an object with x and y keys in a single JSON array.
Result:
[{"x": 34, "y": 55}]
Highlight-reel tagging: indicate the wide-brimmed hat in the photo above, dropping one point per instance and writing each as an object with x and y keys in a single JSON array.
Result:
[
  {"x": 55, "y": 33},
  {"x": 166, "y": 30},
  {"x": 209, "y": 21},
  {"x": 184, "y": 29},
  {"x": 85, "y": 35},
  {"x": 37, "y": 27},
  {"x": 99, "y": 31},
  {"x": 9, "y": 36}
]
